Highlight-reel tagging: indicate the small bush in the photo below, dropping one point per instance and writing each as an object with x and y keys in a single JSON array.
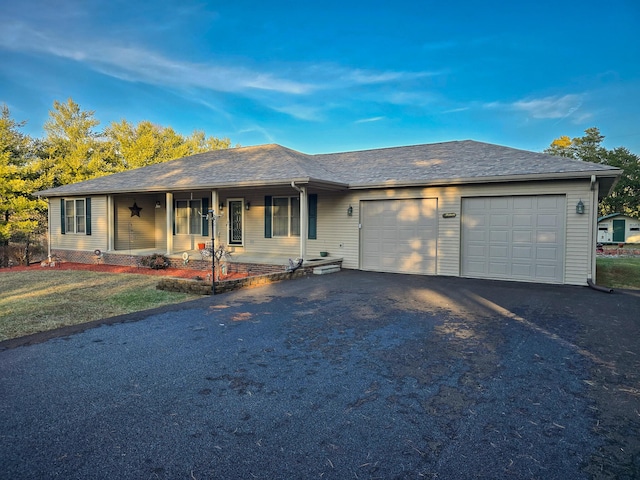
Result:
[{"x": 157, "y": 261}]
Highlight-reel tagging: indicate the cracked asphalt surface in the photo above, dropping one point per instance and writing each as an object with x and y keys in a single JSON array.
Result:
[{"x": 351, "y": 375}]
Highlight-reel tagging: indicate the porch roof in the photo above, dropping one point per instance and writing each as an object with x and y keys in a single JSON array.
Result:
[{"x": 272, "y": 165}]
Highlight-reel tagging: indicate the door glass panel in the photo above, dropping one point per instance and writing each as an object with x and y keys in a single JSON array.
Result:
[{"x": 235, "y": 222}]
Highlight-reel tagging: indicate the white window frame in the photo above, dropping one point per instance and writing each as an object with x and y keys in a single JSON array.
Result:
[
  {"x": 293, "y": 218},
  {"x": 193, "y": 206},
  {"x": 76, "y": 221}
]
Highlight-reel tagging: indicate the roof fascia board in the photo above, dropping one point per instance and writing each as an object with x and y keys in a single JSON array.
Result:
[
  {"x": 612, "y": 174},
  {"x": 323, "y": 184}
]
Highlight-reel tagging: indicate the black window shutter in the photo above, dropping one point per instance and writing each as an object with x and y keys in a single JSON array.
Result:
[
  {"x": 313, "y": 216},
  {"x": 87, "y": 204},
  {"x": 267, "y": 217},
  {"x": 63, "y": 220},
  {"x": 173, "y": 215},
  {"x": 205, "y": 218}
]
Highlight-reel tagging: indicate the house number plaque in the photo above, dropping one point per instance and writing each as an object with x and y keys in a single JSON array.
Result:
[{"x": 449, "y": 215}]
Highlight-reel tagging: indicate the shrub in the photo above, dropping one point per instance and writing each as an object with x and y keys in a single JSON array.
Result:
[{"x": 156, "y": 261}]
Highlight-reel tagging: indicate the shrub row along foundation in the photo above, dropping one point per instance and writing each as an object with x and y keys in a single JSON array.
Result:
[{"x": 200, "y": 287}]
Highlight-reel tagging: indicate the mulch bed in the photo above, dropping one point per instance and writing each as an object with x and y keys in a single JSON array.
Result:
[{"x": 167, "y": 272}]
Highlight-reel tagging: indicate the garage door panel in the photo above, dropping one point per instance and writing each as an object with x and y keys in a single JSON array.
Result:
[
  {"x": 522, "y": 270},
  {"x": 478, "y": 235},
  {"x": 497, "y": 236},
  {"x": 499, "y": 220},
  {"x": 522, "y": 236},
  {"x": 477, "y": 251},
  {"x": 547, "y": 253},
  {"x": 546, "y": 272},
  {"x": 523, "y": 203},
  {"x": 551, "y": 202},
  {"x": 498, "y": 251},
  {"x": 519, "y": 253},
  {"x": 497, "y": 268},
  {"x": 498, "y": 203},
  {"x": 405, "y": 238},
  {"x": 522, "y": 220},
  {"x": 548, "y": 220},
  {"x": 547, "y": 237},
  {"x": 518, "y": 237}
]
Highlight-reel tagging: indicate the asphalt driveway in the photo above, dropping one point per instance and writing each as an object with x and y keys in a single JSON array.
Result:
[{"x": 352, "y": 375}]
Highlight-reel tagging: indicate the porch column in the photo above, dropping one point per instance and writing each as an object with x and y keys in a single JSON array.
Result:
[
  {"x": 111, "y": 223},
  {"x": 214, "y": 208},
  {"x": 304, "y": 221},
  {"x": 169, "y": 217}
]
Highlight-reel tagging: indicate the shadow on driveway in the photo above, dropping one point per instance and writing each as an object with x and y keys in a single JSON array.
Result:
[{"x": 351, "y": 375}]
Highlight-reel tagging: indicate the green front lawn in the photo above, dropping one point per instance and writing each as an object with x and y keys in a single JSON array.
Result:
[{"x": 618, "y": 272}]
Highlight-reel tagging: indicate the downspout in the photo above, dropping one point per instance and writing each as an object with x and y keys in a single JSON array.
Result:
[
  {"x": 592, "y": 256},
  {"x": 303, "y": 218}
]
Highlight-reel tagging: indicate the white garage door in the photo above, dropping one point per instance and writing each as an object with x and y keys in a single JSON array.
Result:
[
  {"x": 516, "y": 238},
  {"x": 399, "y": 235}
]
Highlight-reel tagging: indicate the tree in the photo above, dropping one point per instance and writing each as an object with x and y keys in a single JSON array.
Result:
[
  {"x": 72, "y": 150},
  {"x": 135, "y": 146},
  {"x": 21, "y": 215},
  {"x": 625, "y": 197}
]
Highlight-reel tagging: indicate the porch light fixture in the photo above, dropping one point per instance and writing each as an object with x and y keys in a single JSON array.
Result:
[
  {"x": 350, "y": 211},
  {"x": 580, "y": 207},
  {"x": 221, "y": 206},
  {"x": 247, "y": 206},
  {"x": 158, "y": 204}
]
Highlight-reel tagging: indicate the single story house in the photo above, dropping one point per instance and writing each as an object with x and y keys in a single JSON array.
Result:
[
  {"x": 461, "y": 208},
  {"x": 618, "y": 228}
]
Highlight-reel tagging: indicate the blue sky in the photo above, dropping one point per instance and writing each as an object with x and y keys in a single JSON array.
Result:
[{"x": 332, "y": 75}]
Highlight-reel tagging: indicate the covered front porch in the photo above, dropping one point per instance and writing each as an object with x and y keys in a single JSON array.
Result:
[{"x": 257, "y": 226}]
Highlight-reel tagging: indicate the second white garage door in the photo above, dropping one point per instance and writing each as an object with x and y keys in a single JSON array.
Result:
[
  {"x": 399, "y": 236},
  {"x": 514, "y": 238}
]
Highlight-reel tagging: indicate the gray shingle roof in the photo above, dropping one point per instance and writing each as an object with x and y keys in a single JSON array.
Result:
[{"x": 450, "y": 162}]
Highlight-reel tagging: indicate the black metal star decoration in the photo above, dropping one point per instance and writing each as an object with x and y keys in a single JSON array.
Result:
[{"x": 135, "y": 210}]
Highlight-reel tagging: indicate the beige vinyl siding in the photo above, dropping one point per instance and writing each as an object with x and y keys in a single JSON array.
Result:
[
  {"x": 133, "y": 232},
  {"x": 254, "y": 240},
  {"x": 337, "y": 232},
  {"x": 577, "y": 238},
  {"x": 80, "y": 241},
  {"x": 334, "y": 226}
]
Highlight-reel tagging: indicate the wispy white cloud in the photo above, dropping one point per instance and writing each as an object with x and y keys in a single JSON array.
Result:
[
  {"x": 301, "y": 112},
  {"x": 369, "y": 120},
  {"x": 138, "y": 64},
  {"x": 551, "y": 107},
  {"x": 142, "y": 65}
]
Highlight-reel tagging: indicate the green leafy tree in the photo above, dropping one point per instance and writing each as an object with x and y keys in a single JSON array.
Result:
[
  {"x": 135, "y": 146},
  {"x": 625, "y": 197},
  {"x": 73, "y": 150},
  {"x": 21, "y": 215}
]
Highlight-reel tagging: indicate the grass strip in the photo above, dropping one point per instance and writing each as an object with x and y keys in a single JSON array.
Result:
[
  {"x": 618, "y": 272},
  {"x": 44, "y": 299}
]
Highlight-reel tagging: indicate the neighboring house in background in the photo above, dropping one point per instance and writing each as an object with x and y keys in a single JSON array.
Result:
[
  {"x": 460, "y": 208},
  {"x": 618, "y": 228}
]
